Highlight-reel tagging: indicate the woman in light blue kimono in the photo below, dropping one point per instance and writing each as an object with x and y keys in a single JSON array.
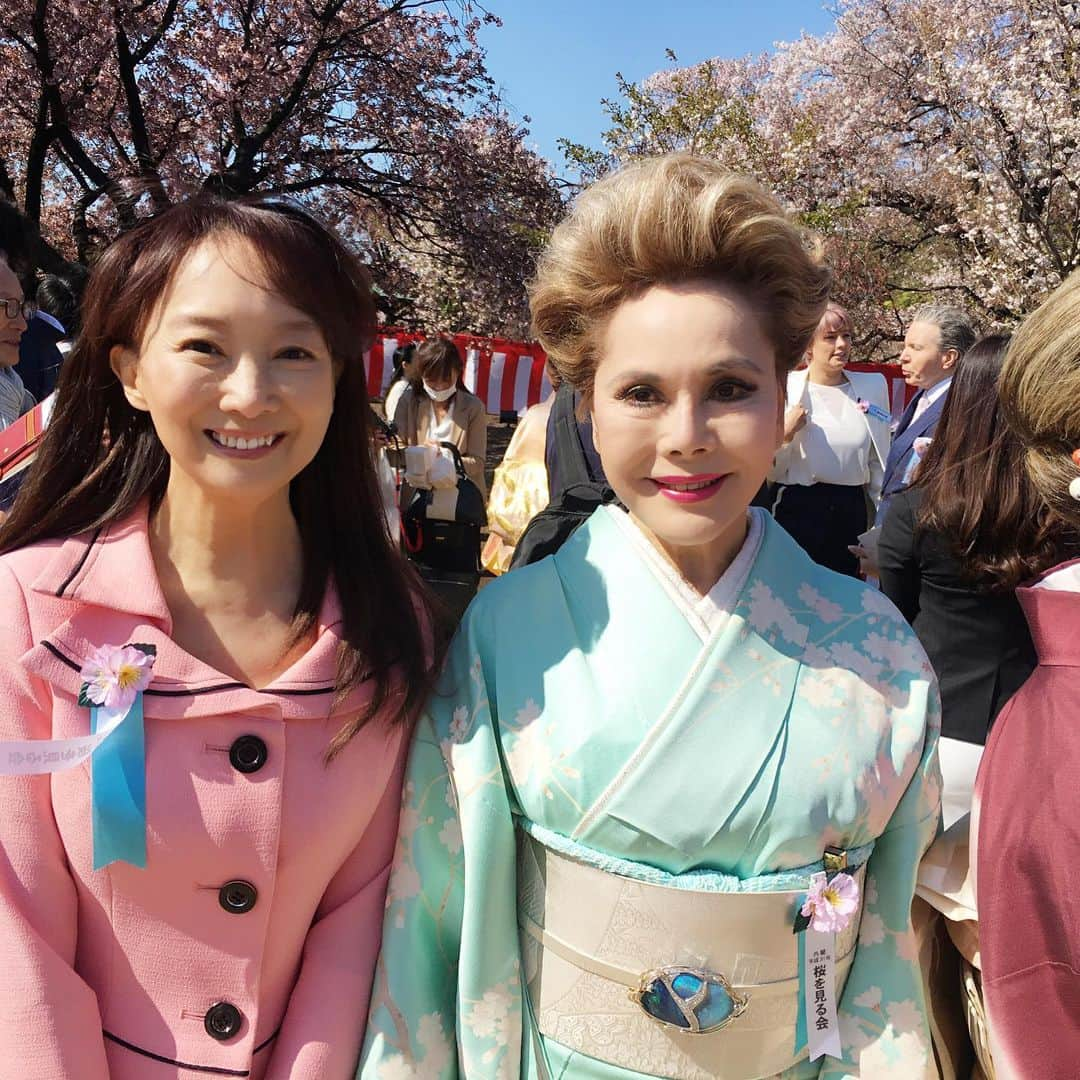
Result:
[{"x": 665, "y": 814}]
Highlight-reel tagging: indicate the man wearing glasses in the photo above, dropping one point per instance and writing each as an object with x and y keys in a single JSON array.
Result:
[{"x": 15, "y": 314}]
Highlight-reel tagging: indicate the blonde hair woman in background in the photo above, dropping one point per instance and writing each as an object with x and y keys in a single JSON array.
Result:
[
  {"x": 663, "y": 749},
  {"x": 519, "y": 490},
  {"x": 1027, "y": 795}
]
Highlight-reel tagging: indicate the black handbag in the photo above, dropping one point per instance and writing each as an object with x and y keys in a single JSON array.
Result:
[{"x": 450, "y": 544}]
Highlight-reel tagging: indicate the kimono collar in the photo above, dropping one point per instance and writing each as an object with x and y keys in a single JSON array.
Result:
[
  {"x": 107, "y": 585},
  {"x": 1052, "y": 609}
]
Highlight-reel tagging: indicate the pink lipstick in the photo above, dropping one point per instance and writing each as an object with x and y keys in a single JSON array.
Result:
[{"x": 689, "y": 489}]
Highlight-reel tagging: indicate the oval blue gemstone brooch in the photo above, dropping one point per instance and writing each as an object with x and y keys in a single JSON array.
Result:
[{"x": 694, "y": 1001}]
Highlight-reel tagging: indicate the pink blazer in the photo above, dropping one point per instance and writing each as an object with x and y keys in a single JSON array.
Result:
[{"x": 136, "y": 974}]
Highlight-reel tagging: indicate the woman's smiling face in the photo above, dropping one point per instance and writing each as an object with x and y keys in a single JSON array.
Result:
[
  {"x": 687, "y": 415},
  {"x": 239, "y": 384}
]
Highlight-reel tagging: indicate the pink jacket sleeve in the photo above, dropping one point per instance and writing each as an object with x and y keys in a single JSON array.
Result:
[
  {"x": 50, "y": 1026},
  {"x": 324, "y": 1022}
]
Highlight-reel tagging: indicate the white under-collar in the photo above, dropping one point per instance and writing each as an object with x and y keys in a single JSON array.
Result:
[
  {"x": 704, "y": 613},
  {"x": 1066, "y": 579}
]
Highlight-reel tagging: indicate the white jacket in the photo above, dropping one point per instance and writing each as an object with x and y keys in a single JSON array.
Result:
[{"x": 868, "y": 387}]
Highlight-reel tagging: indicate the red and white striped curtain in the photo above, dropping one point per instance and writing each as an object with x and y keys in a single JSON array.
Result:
[{"x": 509, "y": 376}]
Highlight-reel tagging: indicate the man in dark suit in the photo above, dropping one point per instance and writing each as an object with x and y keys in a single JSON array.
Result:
[{"x": 936, "y": 339}]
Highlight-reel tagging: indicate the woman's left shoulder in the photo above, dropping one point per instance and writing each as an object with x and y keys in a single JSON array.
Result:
[
  {"x": 869, "y": 384},
  {"x": 470, "y": 401},
  {"x": 876, "y": 639}
]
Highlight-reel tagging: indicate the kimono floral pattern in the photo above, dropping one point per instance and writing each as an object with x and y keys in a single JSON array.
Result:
[{"x": 814, "y": 694}]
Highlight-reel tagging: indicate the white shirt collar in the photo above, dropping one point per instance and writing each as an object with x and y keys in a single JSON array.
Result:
[{"x": 937, "y": 390}]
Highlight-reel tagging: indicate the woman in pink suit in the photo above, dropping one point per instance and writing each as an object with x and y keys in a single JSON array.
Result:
[
  {"x": 199, "y": 561},
  {"x": 1027, "y": 794}
]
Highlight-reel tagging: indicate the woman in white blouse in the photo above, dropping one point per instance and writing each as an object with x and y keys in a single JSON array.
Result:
[{"x": 828, "y": 472}]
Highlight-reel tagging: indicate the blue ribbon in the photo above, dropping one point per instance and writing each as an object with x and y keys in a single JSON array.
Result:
[
  {"x": 118, "y": 789},
  {"x": 800, "y": 1023}
]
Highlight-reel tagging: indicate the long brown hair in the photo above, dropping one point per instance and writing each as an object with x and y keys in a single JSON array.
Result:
[
  {"x": 100, "y": 457},
  {"x": 975, "y": 490}
]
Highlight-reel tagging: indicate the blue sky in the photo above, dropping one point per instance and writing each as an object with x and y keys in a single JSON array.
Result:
[{"x": 556, "y": 59}]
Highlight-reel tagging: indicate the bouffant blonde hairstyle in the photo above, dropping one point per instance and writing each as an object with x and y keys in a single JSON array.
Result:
[
  {"x": 662, "y": 221},
  {"x": 1040, "y": 395}
]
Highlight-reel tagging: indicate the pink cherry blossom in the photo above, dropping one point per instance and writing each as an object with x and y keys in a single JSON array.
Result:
[
  {"x": 113, "y": 676},
  {"x": 932, "y": 146},
  {"x": 830, "y": 904},
  {"x": 380, "y": 116}
]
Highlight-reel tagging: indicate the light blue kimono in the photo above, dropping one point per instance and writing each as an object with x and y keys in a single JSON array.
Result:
[{"x": 578, "y": 699}]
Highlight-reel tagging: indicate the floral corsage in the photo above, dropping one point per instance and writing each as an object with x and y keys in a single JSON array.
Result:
[
  {"x": 830, "y": 903},
  {"x": 112, "y": 677}
]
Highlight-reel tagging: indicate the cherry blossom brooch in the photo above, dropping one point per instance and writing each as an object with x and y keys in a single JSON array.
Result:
[
  {"x": 113, "y": 678},
  {"x": 830, "y": 903}
]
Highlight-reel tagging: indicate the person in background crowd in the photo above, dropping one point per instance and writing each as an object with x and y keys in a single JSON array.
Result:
[
  {"x": 576, "y": 484},
  {"x": 442, "y": 410},
  {"x": 39, "y": 358},
  {"x": 199, "y": 555},
  {"x": 954, "y": 546},
  {"x": 15, "y": 313},
  {"x": 405, "y": 375},
  {"x": 935, "y": 342},
  {"x": 519, "y": 490},
  {"x": 1027, "y": 795},
  {"x": 647, "y": 747},
  {"x": 836, "y": 441},
  {"x": 59, "y": 298}
]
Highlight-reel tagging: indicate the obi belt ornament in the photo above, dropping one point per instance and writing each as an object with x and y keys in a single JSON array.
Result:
[
  {"x": 694, "y": 1001},
  {"x": 112, "y": 689}
]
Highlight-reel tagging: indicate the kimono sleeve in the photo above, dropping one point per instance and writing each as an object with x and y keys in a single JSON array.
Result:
[
  {"x": 411, "y": 1023},
  {"x": 50, "y": 1026},
  {"x": 884, "y": 1029},
  {"x": 447, "y": 997}
]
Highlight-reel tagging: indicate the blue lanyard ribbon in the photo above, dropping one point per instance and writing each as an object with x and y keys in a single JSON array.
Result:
[{"x": 118, "y": 790}]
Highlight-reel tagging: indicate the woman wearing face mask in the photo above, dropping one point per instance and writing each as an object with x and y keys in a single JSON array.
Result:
[
  {"x": 675, "y": 766},
  {"x": 442, "y": 410},
  {"x": 836, "y": 442}
]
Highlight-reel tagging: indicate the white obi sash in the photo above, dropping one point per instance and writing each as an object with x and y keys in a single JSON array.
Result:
[{"x": 589, "y": 934}]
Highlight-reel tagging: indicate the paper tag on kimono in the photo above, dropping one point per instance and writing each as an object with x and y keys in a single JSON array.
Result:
[
  {"x": 31, "y": 757},
  {"x": 819, "y": 980}
]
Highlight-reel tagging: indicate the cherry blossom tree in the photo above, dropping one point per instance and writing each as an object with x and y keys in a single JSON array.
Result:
[
  {"x": 378, "y": 113},
  {"x": 934, "y": 145}
]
